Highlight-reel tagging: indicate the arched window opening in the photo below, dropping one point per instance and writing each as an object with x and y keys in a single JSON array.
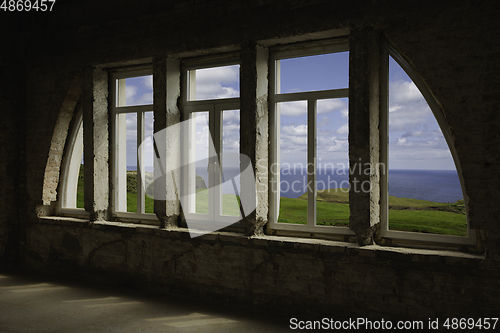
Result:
[
  {"x": 72, "y": 183},
  {"x": 422, "y": 193}
]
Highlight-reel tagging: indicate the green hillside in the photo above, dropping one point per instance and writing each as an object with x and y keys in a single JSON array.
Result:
[{"x": 332, "y": 209}]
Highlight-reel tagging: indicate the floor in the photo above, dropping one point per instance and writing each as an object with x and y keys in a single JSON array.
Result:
[{"x": 39, "y": 304}]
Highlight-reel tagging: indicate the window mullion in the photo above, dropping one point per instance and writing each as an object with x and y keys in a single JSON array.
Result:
[
  {"x": 216, "y": 167},
  {"x": 384, "y": 141},
  {"x": 120, "y": 152},
  {"x": 140, "y": 163},
  {"x": 311, "y": 162},
  {"x": 191, "y": 167}
]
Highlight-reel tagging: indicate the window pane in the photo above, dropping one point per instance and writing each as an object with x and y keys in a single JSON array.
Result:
[
  {"x": 215, "y": 83},
  {"x": 199, "y": 179},
  {"x": 131, "y": 158},
  {"x": 148, "y": 162},
  {"x": 79, "y": 189},
  {"x": 318, "y": 72},
  {"x": 135, "y": 91},
  {"x": 230, "y": 162},
  {"x": 293, "y": 157},
  {"x": 332, "y": 162},
  {"x": 424, "y": 188}
]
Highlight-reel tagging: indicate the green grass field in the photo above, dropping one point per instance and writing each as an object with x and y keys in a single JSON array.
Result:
[
  {"x": 332, "y": 209},
  {"x": 230, "y": 203}
]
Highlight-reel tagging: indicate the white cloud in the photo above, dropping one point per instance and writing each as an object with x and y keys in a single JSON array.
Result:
[
  {"x": 345, "y": 112},
  {"x": 404, "y": 91},
  {"x": 300, "y": 130},
  {"x": 231, "y": 145},
  {"x": 299, "y": 108},
  {"x": 149, "y": 123},
  {"x": 139, "y": 95},
  {"x": 325, "y": 121},
  {"x": 332, "y": 144},
  {"x": 146, "y": 98},
  {"x": 231, "y": 116},
  {"x": 148, "y": 82},
  {"x": 431, "y": 158},
  {"x": 290, "y": 141},
  {"x": 330, "y": 105},
  {"x": 130, "y": 93},
  {"x": 217, "y": 82},
  {"x": 293, "y": 109},
  {"x": 393, "y": 108},
  {"x": 201, "y": 118},
  {"x": 344, "y": 129},
  {"x": 215, "y": 91},
  {"x": 231, "y": 128},
  {"x": 403, "y": 142},
  {"x": 224, "y": 74}
]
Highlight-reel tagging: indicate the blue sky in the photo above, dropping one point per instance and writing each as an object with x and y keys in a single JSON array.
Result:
[
  {"x": 415, "y": 139},
  {"x": 319, "y": 72}
]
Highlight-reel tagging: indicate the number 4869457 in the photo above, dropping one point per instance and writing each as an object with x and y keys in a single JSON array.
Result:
[{"x": 27, "y": 5}]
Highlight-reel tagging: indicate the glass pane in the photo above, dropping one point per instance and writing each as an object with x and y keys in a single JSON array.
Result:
[
  {"x": 149, "y": 162},
  {"x": 318, "y": 72},
  {"x": 332, "y": 163},
  {"x": 424, "y": 189},
  {"x": 79, "y": 188},
  {"x": 230, "y": 162},
  {"x": 131, "y": 159},
  {"x": 199, "y": 180},
  {"x": 293, "y": 157},
  {"x": 216, "y": 82},
  {"x": 135, "y": 91}
]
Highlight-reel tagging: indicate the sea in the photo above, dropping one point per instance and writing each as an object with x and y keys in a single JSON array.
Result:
[{"x": 432, "y": 185}]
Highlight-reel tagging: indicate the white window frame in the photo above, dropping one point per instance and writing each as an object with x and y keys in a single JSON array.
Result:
[
  {"x": 394, "y": 235},
  {"x": 70, "y": 170},
  {"x": 311, "y": 97},
  {"x": 215, "y": 109},
  {"x": 118, "y": 135}
]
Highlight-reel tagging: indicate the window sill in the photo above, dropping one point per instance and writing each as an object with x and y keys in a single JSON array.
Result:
[{"x": 288, "y": 244}]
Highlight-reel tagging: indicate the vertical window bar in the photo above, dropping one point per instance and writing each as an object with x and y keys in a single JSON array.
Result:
[
  {"x": 274, "y": 150},
  {"x": 384, "y": 140},
  {"x": 311, "y": 162},
  {"x": 216, "y": 132},
  {"x": 120, "y": 152},
  {"x": 191, "y": 81},
  {"x": 191, "y": 167},
  {"x": 140, "y": 162}
]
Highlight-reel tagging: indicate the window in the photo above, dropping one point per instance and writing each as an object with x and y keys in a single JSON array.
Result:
[
  {"x": 71, "y": 200},
  {"x": 211, "y": 147},
  {"x": 309, "y": 160},
  {"x": 309, "y": 167},
  {"x": 422, "y": 197},
  {"x": 132, "y": 123}
]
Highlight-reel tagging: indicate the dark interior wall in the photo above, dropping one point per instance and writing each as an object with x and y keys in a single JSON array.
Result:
[
  {"x": 453, "y": 45},
  {"x": 12, "y": 139}
]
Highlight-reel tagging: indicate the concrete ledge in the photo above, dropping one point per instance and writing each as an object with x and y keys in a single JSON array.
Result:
[{"x": 290, "y": 244}]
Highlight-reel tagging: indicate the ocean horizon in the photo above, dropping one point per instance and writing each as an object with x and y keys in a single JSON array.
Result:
[{"x": 431, "y": 185}]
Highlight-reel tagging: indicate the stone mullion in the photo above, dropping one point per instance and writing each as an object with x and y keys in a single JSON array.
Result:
[
  {"x": 96, "y": 143},
  {"x": 166, "y": 83},
  {"x": 364, "y": 152},
  {"x": 254, "y": 134}
]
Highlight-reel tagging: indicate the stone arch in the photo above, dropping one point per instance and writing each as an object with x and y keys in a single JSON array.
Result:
[{"x": 59, "y": 136}]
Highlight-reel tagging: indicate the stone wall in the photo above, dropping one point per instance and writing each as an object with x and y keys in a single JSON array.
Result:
[
  {"x": 454, "y": 47},
  {"x": 303, "y": 277},
  {"x": 12, "y": 131}
]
